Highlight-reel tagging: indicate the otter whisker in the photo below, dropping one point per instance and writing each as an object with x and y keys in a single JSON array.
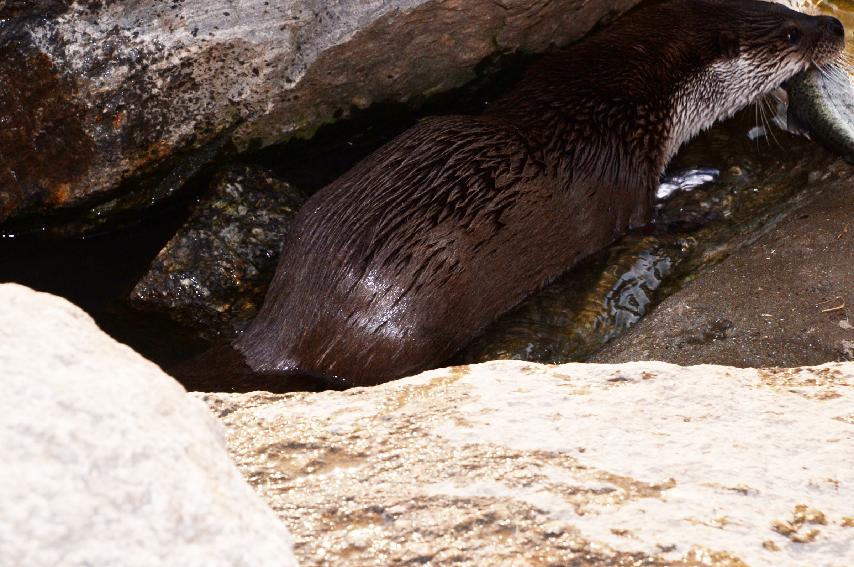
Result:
[
  {"x": 773, "y": 125},
  {"x": 769, "y": 129},
  {"x": 756, "y": 120},
  {"x": 764, "y": 122},
  {"x": 833, "y": 71},
  {"x": 761, "y": 122},
  {"x": 819, "y": 68},
  {"x": 838, "y": 65},
  {"x": 825, "y": 73},
  {"x": 844, "y": 63},
  {"x": 777, "y": 98}
]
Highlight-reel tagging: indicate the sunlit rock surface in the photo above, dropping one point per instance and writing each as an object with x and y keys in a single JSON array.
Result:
[
  {"x": 107, "y": 461},
  {"x": 512, "y": 463},
  {"x": 95, "y": 93}
]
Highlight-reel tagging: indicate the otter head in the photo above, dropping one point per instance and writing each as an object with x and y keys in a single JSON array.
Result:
[{"x": 750, "y": 48}]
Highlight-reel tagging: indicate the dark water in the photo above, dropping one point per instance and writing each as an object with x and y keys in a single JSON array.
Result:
[{"x": 97, "y": 273}]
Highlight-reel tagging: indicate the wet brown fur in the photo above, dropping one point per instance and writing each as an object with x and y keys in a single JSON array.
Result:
[{"x": 397, "y": 264}]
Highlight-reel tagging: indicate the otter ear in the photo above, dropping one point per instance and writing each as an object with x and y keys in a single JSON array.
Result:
[{"x": 729, "y": 44}]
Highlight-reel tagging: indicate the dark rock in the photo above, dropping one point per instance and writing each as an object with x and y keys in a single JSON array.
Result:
[
  {"x": 213, "y": 274},
  {"x": 21, "y": 8},
  {"x": 38, "y": 107}
]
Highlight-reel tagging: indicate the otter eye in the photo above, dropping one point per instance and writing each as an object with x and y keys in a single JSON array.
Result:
[{"x": 793, "y": 36}]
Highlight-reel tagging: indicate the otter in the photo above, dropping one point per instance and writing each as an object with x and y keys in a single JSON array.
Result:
[{"x": 400, "y": 262}]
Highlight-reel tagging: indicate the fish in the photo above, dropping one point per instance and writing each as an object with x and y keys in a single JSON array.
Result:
[{"x": 821, "y": 104}]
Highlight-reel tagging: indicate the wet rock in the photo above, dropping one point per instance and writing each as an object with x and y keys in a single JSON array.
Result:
[
  {"x": 213, "y": 274},
  {"x": 787, "y": 297},
  {"x": 582, "y": 310},
  {"x": 101, "y": 96},
  {"x": 108, "y": 461},
  {"x": 515, "y": 463}
]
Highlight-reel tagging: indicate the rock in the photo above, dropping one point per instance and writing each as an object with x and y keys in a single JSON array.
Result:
[
  {"x": 108, "y": 461},
  {"x": 785, "y": 300},
  {"x": 512, "y": 463},
  {"x": 99, "y": 96},
  {"x": 213, "y": 274}
]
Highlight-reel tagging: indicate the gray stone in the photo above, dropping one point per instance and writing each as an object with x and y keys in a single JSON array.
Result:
[
  {"x": 107, "y": 461},
  {"x": 97, "y": 93},
  {"x": 512, "y": 463},
  {"x": 212, "y": 275}
]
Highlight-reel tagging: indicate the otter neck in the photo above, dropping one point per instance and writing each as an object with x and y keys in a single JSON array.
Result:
[
  {"x": 707, "y": 97},
  {"x": 617, "y": 133}
]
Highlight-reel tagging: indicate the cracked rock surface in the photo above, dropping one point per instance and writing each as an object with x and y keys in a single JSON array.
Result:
[{"x": 516, "y": 463}]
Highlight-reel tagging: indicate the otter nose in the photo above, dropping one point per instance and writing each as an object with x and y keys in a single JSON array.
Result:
[{"x": 833, "y": 26}]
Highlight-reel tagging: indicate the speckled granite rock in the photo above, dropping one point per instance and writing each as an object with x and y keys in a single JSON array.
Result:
[
  {"x": 107, "y": 461},
  {"x": 213, "y": 274},
  {"x": 95, "y": 93},
  {"x": 512, "y": 463}
]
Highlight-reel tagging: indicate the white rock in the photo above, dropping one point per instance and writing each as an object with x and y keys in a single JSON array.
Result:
[
  {"x": 515, "y": 463},
  {"x": 107, "y": 461}
]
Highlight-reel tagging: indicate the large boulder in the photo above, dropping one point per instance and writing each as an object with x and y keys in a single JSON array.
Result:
[
  {"x": 107, "y": 461},
  {"x": 513, "y": 463},
  {"x": 98, "y": 93}
]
